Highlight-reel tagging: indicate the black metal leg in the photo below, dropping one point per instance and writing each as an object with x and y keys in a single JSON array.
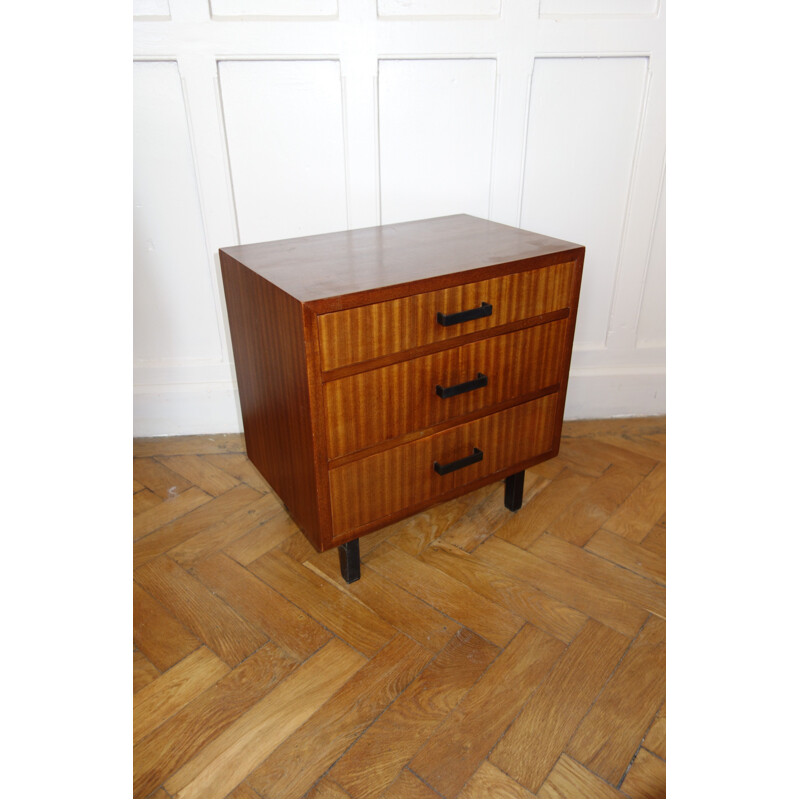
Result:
[
  {"x": 514, "y": 484},
  {"x": 350, "y": 561}
]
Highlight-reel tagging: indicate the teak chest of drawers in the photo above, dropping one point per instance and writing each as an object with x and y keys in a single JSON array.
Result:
[{"x": 386, "y": 369}]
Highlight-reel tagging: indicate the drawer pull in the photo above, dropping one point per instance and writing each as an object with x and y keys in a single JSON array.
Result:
[
  {"x": 443, "y": 469},
  {"x": 451, "y": 391},
  {"x": 483, "y": 310}
]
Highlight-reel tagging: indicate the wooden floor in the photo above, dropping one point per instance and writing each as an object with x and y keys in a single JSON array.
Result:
[{"x": 482, "y": 653}]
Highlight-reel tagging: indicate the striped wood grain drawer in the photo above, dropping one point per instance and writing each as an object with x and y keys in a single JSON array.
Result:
[
  {"x": 394, "y": 326},
  {"x": 404, "y": 477},
  {"x": 382, "y": 404}
]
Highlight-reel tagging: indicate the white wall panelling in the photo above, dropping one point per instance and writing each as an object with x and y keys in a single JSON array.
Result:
[
  {"x": 260, "y": 119},
  {"x": 436, "y": 124}
]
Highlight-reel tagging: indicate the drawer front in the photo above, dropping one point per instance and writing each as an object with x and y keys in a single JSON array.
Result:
[
  {"x": 380, "y": 404},
  {"x": 403, "y": 477},
  {"x": 367, "y": 332}
]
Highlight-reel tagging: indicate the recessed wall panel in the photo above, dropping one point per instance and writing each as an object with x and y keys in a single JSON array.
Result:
[
  {"x": 436, "y": 126},
  {"x": 283, "y": 122},
  {"x": 652, "y": 328},
  {"x": 254, "y": 9},
  {"x": 582, "y": 129},
  {"x": 438, "y": 8},
  {"x": 174, "y": 314}
]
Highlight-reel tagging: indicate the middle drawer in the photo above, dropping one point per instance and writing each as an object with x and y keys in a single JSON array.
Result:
[{"x": 381, "y": 404}]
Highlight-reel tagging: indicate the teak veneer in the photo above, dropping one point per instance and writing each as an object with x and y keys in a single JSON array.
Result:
[{"x": 386, "y": 369}]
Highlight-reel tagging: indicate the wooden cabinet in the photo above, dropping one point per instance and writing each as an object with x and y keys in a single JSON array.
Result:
[{"x": 386, "y": 369}]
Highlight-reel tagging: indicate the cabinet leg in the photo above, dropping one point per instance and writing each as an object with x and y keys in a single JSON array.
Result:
[
  {"x": 514, "y": 484},
  {"x": 350, "y": 561}
]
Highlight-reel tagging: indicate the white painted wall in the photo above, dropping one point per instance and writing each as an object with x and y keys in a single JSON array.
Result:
[{"x": 264, "y": 119}]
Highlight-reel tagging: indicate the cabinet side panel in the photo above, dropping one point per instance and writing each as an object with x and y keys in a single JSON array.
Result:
[{"x": 269, "y": 352}]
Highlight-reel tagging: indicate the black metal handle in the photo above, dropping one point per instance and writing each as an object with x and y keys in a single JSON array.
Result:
[
  {"x": 443, "y": 469},
  {"x": 460, "y": 388},
  {"x": 483, "y": 310}
]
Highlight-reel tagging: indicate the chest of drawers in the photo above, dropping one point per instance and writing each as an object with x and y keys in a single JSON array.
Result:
[{"x": 386, "y": 369}]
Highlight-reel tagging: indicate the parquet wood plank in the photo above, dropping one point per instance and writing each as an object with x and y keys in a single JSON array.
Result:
[
  {"x": 172, "y": 532},
  {"x": 228, "y": 760},
  {"x": 143, "y": 500},
  {"x": 294, "y": 766},
  {"x": 536, "y": 607},
  {"x": 209, "y": 618},
  {"x": 199, "y": 444},
  {"x": 608, "y": 737},
  {"x": 568, "y": 779},
  {"x": 617, "y": 426},
  {"x": 326, "y": 788},
  {"x": 549, "y": 469},
  {"x": 173, "y": 689},
  {"x": 414, "y": 534},
  {"x": 628, "y": 554},
  {"x": 200, "y": 473},
  {"x": 581, "y": 519},
  {"x": 160, "y": 480},
  {"x": 647, "y": 776},
  {"x": 137, "y": 487},
  {"x": 525, "y": 526},
  {"x": 636, "y": 444},
  {"x": 589, "y": 598},
  {"x": 408, "y": 785},
  {"x": 459, "y": 745},
  {"x": 481, "y": 520},
  {"x": 402, "y": 610},
  {"x": 621, "y": 582},
  {"x": 226, "y": 531},
  {"x": 161, "y": 793},
  {"x": 643, "y": 508},
  {"x": 184, "y": 735},
  {"x": 620, "y": 456},
  {"x": 285, "y": 623},
  {"x": 262, "y": 539},
  {"x": 489, "y": 781},
  {"x": 176, "y": 507},
  {"x": 656, "y": 739},
  {"x": 345, "y": 616},
  {"x": 241, "y": 467},
  {"x": 584, "y": 457},
  {"x": 535, "y": 740},
  {"x": 656, "y": 540},
  {"x": 144, "y": 671},
  {"x": 373, "y": 763},
  {"x": 243, "y": 792},
  {"x": 157, "y": 633},
  {"x": 493, "y": 622},
  {"x": 297, "y": 547}
]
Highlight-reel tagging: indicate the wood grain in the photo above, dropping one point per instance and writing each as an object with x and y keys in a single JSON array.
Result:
[
  {"x": 230, "y": 758},
  {"x": 212, "y": 621},
  {"x": 200, "y": 472},
  {"x": 154, "y": 518},
  {"x": 185, "y": 734},
  {"x": 489, "y": 781},
  {"x": 292, "y": 769},
  {"x": 656, "y": 739},
  {"x": 144, "y": 671},
  {"x": 642, "y": 509},
  {"x": 157, "y": 633},
  {"x": 630, "y": 555},
  {"x": 536, "y": 738},
  {"x": 515, "y": 365},
  {"x": 285, "y": 623},
  {"x": 158, "y": 478},
  {"x": 571, "y": 779},
  {"x": 372, "y": 764},
  {"x": 464, "y": 739},
  {"x": 173, "y": 689},
  {"x": 647, "y": 776},
  {"x": 408, "y": 785},
  {"x": 404, "y": 478},
  {"x": 636, "y": 690},
  {"x": 492, "y": 621}
]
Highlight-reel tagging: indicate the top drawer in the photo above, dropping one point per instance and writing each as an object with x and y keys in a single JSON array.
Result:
[{"x": 367, "y": 332}]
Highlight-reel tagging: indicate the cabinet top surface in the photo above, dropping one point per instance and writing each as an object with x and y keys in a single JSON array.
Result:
[{"x": 336, "y": 264}]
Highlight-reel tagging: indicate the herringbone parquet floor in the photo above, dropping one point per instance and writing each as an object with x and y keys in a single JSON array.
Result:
[{"x": 482, "y": 653}]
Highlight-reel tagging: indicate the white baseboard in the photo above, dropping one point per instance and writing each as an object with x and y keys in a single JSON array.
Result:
[{"x": 604, "y": 392}]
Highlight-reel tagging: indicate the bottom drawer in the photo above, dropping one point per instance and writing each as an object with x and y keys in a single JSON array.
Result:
[{"x": 407, "y": 476}]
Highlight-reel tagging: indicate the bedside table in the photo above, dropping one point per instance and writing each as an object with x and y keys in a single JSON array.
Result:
[{"x": 387, "y": 369}]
